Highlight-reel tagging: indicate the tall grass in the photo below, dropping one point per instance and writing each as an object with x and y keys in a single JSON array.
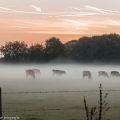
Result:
[{"x": 97, "y": 112}]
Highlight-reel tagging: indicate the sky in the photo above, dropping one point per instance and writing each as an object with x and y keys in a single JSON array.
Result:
[{"x": 35, "y": 21}]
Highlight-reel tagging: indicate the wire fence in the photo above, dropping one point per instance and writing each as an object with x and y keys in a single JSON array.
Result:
[
  {"x": 66, "y": 91},
  {"x": 51, "y": 109}
]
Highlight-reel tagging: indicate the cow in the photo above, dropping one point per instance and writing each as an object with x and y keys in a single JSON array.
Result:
[
  {"x": 32, "y": 73},
  {"x": 103, "y": 73},
  {"x": 87, "y": 74},
  {"x": 37, "y": 71},
  {"x": 58, "y": 72},
  {"x": 115, "y": 74}
]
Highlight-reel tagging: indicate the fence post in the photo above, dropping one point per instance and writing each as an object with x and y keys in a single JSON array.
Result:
[{"x": 0, "y": 104}]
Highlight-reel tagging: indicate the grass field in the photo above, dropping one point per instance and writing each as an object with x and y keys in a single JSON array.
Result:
[
  {"x": 54, "y": 104},
  {"x": 56, "y": 98}
]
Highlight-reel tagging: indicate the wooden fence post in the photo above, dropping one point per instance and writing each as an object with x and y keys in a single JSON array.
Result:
[{"x": 0, "y": 104}]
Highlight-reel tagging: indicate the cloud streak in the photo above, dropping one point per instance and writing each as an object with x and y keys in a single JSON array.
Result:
[
  {"x": 76, "y": 23},
  {"x": 102, "y": 11},
  {"x": 71, "y": 18},
  {"x": 19, "y": 27},
  {"x": 36, "y": 8},
  {"x": 8, "y": 10},
  {"x": 91, "y": 10},
  {"x": 80, "y": 12},
  {"x": 95, "y": 9},
  {"x": 3, "y": 8}
]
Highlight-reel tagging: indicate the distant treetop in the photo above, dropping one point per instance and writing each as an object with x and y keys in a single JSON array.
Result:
[{"x": 86, "y": 49}]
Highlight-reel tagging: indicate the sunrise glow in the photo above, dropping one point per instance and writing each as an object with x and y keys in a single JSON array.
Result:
[{"x": 37, "y": 20}]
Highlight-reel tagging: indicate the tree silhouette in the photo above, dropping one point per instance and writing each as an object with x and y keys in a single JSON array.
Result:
[
  {"x": 54, "y": 48},
  {"x": 36, "y": 53},
  {"x": 103, "y": 48},
  {"x": 69, "y": 48},
  {"x": 14, "y": 51}
]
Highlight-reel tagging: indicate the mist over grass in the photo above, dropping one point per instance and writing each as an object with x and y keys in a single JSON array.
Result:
[
  {"x": 15, "y": 75},
  {"x": 52, "y": 96}
]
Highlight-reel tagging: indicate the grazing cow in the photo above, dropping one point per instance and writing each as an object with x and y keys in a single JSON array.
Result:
[
  {"x": 103, "y": 73},
  {"x": 87, "y": 74},
  {"x": 30, "y": 73},
  {"x": 37, "y": 71},
  {"x": 115, "y": 74},
  {"x": 58, "y": 72}
]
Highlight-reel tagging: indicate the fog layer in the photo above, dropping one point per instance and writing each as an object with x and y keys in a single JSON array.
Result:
[{"x": 13, "y": 77}]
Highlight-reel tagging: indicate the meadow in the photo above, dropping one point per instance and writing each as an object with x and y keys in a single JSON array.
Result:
[{"x": 53, "y": 97}]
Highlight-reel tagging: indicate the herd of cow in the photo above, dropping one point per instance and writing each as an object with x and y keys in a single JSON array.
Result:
[
  {"x": 33, "y": 73},
  {"x": 101, "y": 74}
]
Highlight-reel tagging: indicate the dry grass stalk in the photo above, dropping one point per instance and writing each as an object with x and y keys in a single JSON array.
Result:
[
  {"x": 86, "y": 109},
  {"x": 100, "y": 103},
  {"x": 97, "y": 113}
]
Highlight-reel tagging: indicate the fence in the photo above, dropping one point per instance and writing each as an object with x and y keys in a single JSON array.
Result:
[
  {"x": 47, "y": 92},
  {"x": 69, "y": 91},
  {"x": 0, "y": 104}
]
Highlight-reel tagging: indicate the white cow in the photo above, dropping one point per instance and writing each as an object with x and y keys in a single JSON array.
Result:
[
  {"x": 87, "y": 74},
  {"x": 32, "y": 73},
  {"x": 115, "y": 74},
  {"x": 103, "y": 74},
  {"x": 37, "y": 71}
]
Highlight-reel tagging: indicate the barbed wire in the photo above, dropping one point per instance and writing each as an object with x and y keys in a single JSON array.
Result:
[
  {"x": 66, "y": 91},
  {"x": 53, "y": 109}
]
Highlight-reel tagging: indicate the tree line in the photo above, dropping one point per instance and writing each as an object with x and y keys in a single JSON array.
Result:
[{"x": 86, "y": 49}]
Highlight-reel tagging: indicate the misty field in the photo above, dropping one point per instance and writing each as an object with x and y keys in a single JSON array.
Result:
[{"x": 53, "y": 97}]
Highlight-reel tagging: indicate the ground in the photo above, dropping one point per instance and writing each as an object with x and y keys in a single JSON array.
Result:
[{"x": 51, "y": 97}]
